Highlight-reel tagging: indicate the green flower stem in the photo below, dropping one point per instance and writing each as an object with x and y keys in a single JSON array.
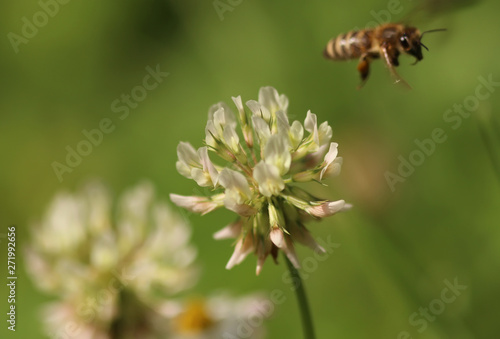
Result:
[{"x": 305, "y": 313}]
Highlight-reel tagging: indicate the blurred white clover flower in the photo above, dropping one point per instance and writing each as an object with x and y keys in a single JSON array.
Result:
[
  {"x": 219, "y": 316},
  {"x": 257, "y": 180},
  {"x": 58, "y": 316},
  {"x": 91, "y": 259}
]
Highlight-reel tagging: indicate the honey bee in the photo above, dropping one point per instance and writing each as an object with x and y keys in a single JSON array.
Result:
[{"x": 386, "y": 41}]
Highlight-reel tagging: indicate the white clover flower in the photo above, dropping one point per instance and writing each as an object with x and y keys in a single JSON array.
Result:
[
  {"x": 94, "y": 256},
  {"x": 219, "y": 316},
  {"x": 263, "y": 156}
]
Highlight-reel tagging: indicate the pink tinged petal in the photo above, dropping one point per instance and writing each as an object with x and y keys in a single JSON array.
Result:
[
  {"x": 268, "y": 178},
  {"x": 277, "y": 153},
  {"x": 346, "y": 207},
  {"x": 277, "y": 237},
  {"x": 195, "y": 204},
  {"x": 248, "y": 135},
  {"x": 289, "y": 250},
  {"x": 263, "y": 249},
  {"x": 243, "y": 247},
  {"x": 229, "y": 232},
  {"x": 327, "y": 209},
  {"x": 260, "y": 265},
  {"x": 244, "y": 210},
  {"x": 303, "y": 236}
]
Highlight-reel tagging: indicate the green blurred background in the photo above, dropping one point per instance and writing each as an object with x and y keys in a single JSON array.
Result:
[{"x": 396, "y": 248}]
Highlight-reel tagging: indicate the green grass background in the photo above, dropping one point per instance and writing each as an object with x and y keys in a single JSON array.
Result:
[{"x": 396, "y": 249}]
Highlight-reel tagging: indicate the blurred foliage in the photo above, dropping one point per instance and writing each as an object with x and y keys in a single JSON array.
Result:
[{"x": 397, "y": 248}]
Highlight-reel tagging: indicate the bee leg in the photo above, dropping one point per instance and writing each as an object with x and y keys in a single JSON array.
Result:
[
  {"x": 391, "y": 60},
  {"x": 363, "y": 69},
  {"x": 395, "y": 61}
]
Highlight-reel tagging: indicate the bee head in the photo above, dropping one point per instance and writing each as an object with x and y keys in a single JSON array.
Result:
[{"x": 410, "y": 42}]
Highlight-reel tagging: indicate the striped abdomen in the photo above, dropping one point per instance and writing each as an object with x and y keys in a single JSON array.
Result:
[{"x": 349, "y": 46}]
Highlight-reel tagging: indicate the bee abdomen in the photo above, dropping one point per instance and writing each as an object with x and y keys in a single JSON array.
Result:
[{"x": 348, "y": 46}]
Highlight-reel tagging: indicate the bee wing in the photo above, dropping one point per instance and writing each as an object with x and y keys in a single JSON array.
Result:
[
  {"x": 387, "y": 59},
  {"x": 437, "y": 8}
]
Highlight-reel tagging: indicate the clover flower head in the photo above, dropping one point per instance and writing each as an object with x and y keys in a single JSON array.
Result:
[{"x": 261, "y": 156}]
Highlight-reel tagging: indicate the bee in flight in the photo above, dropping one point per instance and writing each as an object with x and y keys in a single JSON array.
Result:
[{"x": 386, "y": 41}]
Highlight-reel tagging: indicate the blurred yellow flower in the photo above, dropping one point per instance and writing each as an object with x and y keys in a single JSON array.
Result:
[{"x": 216, "y": 317}]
